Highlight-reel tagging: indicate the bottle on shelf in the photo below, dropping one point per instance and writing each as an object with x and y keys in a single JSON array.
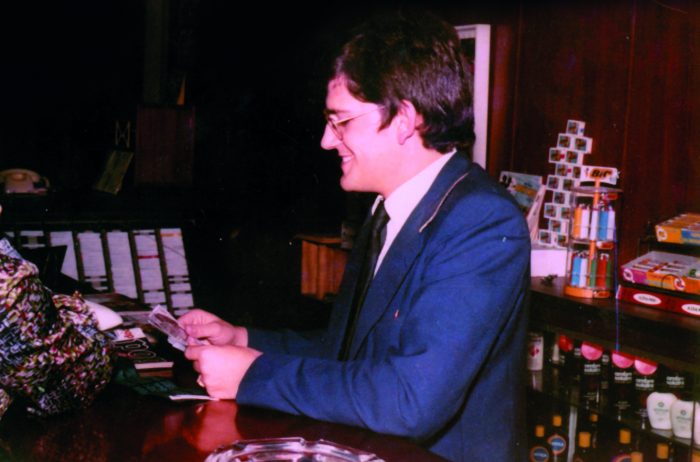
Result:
[
  {"x": 588, "y": 422},
  {"x": 590, "y": 374},
  {"x": 539, "y": 448},
  {"x": 553, "y": 364},
  {"x": 584, "y": 451},
  {"x": 557, "y": 439},
  {"x": 680, "y": 384},
  {"x": 676, "y": 381},
  {"x": 659, "y": 404},
  {"x": 622, "y": 450},
  {"x": 622, "y": 386},
  {"x": 644, "y": 385},
  {"x": 535, "y": 380},
  {"x": 604, "y": 378},
  {"x": 535, "y": 359},
  {"x": 593, "y": 429},
  {"x": 570, "y": 353},
  {"x": 577, "y": 358},
  {"x": 681, "y": 417},
  {"x": 535, "y": 350},
  {"x": 663, "y": 453},
  {"x": 552, "y": 349}
]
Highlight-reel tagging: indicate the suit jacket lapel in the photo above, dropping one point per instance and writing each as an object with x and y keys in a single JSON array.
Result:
[
  {"x": 404, "y": 250},
  {"x": 343, "y": 301}
]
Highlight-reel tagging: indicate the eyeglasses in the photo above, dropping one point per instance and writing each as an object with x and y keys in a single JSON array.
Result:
[{"x": 338, "y": 126}]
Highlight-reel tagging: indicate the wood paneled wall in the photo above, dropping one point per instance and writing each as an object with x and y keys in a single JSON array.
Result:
[{"x": 629, "y": 68}]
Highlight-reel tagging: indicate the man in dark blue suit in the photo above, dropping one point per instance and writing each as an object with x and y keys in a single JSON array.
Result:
[{"x": 433, "y": 348}]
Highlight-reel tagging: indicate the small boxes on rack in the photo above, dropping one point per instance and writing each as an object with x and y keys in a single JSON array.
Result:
[
  {"x": 666, "y": 280},
  {"x": 567, "y": 161},
  {"x": 681, "y": 229},
  {"x": 670, "y": 271}
]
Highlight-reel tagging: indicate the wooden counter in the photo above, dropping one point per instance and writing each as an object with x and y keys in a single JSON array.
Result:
[{"x": 123, "y": 426}]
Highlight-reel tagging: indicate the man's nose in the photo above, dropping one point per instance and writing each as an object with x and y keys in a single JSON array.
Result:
[{"x": 329, "y": 140}]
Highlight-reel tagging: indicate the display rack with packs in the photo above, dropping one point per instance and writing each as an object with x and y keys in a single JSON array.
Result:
[
  {"x": 667, "y": 276},
  {"x": 592, "y": 242}
]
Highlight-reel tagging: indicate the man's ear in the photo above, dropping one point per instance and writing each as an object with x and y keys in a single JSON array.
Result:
[{"x": 407, "y": 120}]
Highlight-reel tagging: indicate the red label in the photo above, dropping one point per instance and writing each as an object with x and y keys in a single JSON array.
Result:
[
  {"x": 565, "y": 343},
  {"x": 591, "y": 351},
  {"x": 622, "y": 360}
]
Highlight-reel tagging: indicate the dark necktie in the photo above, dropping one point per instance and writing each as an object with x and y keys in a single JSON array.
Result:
[{"x": 377, "y": 234}]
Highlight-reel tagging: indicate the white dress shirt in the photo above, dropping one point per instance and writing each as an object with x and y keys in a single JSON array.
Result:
[{"x": 404, "y": 199}]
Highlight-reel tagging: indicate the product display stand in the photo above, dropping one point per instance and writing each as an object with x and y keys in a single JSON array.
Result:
[{"x": 592, "y": 239}]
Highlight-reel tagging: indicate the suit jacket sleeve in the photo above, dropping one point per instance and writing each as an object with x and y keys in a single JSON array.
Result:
[
  {"x": 446, "y": 322},
  {"x": 304, "y": 343}
]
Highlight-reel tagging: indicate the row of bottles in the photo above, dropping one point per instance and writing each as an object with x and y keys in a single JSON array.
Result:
[
  {"x": 574, "y": 435},
  {"x": 631, "y": 390},
  {"x": 549, "y": 444}
]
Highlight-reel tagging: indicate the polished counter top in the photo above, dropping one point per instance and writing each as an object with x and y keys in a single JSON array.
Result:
[{"x": 124, "y": 426}]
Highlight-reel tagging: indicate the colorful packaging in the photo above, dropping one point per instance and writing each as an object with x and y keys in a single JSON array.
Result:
[
  {"x": 681, "y": 229},
  {"x": 670, "y": 271}
]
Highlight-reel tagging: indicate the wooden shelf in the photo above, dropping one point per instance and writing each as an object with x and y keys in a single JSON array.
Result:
[
  {"x": 668, "y": 338},
  {"x": 322, "y": 265}
]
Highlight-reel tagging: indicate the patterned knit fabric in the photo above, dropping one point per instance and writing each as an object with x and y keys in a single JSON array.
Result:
[{"x": 52, "y": 356}]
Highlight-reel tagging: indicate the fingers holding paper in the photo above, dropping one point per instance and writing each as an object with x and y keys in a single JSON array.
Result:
[
  {"x": 221, "y": 368},
  {"x": 200, "y": 324}
]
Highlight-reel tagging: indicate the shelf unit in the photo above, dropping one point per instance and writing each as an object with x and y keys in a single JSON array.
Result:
[{"x": 667, "y": 338}]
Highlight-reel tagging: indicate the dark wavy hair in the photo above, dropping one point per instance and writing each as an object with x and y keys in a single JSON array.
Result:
[{"x": 415, "y": 56}]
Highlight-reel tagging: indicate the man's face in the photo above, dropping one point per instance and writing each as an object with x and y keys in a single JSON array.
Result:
[{"x": 366, "y": 152}]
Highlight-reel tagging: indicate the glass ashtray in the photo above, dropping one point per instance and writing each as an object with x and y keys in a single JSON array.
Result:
[{"x": 289, "y": 450}]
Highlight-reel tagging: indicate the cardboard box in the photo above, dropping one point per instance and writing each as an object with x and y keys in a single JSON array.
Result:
[
  {"x": 681, "y": 229},
  {"x": 670, "y": 271},
  {"x": 547, "y": 260}
]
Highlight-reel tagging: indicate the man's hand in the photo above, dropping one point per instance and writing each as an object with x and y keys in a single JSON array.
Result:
[
  {"x": 203, "y": 325},
  {"x": 221, "y": 368}
]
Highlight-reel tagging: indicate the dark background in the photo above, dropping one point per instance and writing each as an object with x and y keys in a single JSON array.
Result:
[
  {"x": 68, "y": 72},
  {"x": 255, "y": 78},
  {"x": 255, "y": 75}
]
